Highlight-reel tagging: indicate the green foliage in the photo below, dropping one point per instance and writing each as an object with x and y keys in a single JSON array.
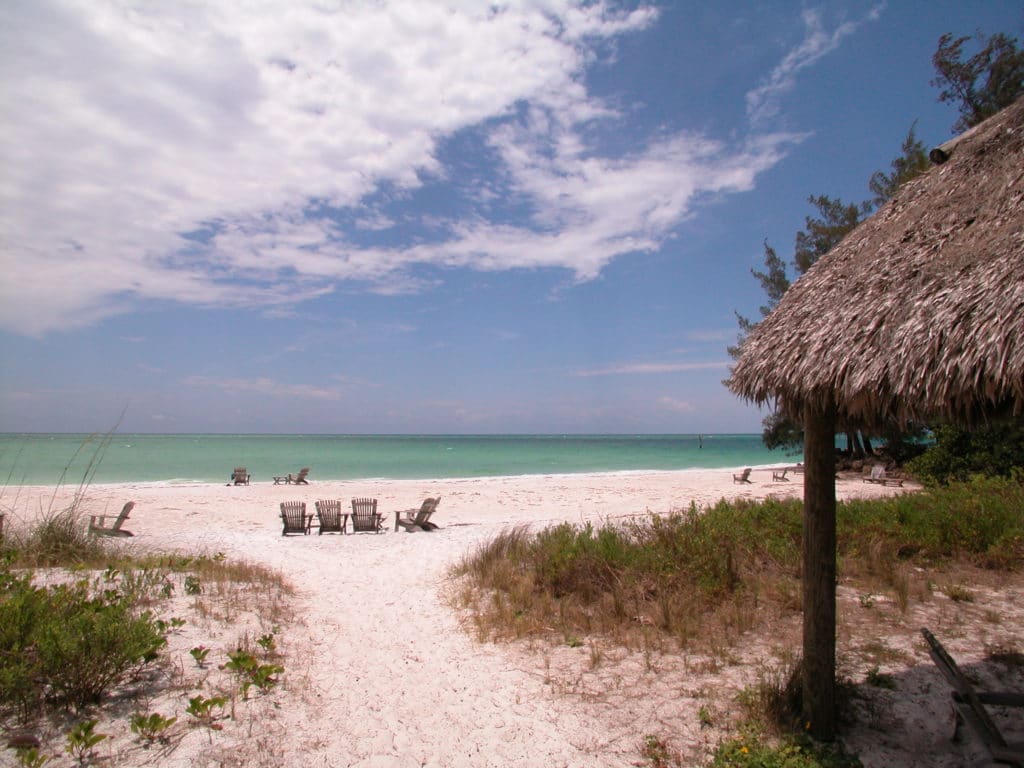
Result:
[
  {"x": 206, "y": 710},
  {"x": 267, "y": 643},
  {"x": 193, "y": 585},
  {"x": 657, "y": 753},
  {"x": 775, "y": 283},
  {"x": 980, "y": 86},
  {"x": 751, "y": 750},
  {"x": 821, "y": 234},
  {"x": 980, "y": 520},
  {"x": 152, "y": 726},
  {"x": 912, "y": 163},
  {"x": 82, "y": 738},
  {"x": 199, "y": 653},
  {"x": 781, "y": 432},
  {"x": 251, "y": 672},
  {"x": 880, "y": 679},
  {"x": 30, "y": 757},
  {"x": 958, "y": 454},
  {"x": 70, "y": 643}
]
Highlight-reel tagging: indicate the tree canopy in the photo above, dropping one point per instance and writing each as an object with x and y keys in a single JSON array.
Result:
[{"x": 983, "y": 84}]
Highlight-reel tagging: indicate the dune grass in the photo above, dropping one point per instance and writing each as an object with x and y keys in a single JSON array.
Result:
[
  {"x": 697, "y": 579},
  {"x": 701, "y": 573}
]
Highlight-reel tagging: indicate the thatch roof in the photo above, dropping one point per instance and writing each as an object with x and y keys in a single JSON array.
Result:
[{"x": 919, "y": 312}]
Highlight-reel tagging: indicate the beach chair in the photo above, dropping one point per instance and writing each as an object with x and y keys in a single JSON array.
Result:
[
  {"x": 298, "y": 479},
  {"x": 330, "y": 516},
  {"x": 780, "y": 474},
  {"x": 742, "y": 477},
  {"x": 969, "y": 706},
  {"x": 98, "y": 527},
  {"x": 412, "y": 519},
  {"x": 876, "y": 475},
  {"x": 240, "y": 476},
  {"x": 364, "y": 517},
  {"x": 294, "y": 518}
]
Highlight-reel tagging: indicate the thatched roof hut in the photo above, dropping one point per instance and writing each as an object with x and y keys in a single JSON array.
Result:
[{"x": 919, "y": 312}]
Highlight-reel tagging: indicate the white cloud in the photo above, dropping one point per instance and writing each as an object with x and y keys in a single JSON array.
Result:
[
  {"x": 179, "y": 151},
  {"x": 651, "y": 368},
  {"x": 818, "y": 41},
  {"x": 264, "y": 386},
  {"x": 677, "y": 405}
]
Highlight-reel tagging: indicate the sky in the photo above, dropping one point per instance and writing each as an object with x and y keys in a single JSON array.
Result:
[{"x": 420, "y": 216}]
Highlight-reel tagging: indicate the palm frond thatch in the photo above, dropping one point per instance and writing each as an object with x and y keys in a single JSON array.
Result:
[{"x": 919, "y": 312}]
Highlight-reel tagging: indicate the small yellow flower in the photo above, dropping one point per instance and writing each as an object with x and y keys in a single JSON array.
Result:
[{"x": 744, "y": 750}]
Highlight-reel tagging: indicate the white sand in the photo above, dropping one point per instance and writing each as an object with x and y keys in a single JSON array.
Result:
[{"x": 379, "y": 670}]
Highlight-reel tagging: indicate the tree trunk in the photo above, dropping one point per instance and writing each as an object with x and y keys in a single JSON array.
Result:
[
  {"x": 819, "y": 572},
  {"x": 868, "y": 448}
]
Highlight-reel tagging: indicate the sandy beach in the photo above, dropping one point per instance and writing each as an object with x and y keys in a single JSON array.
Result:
[{"x": 381, "y": 671}]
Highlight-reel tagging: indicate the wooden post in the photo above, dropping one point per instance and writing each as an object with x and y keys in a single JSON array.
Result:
[{"x": 819, "y": 572}]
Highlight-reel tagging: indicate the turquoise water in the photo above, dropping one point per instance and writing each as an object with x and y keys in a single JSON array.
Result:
[{"x": 36, "y": 459}]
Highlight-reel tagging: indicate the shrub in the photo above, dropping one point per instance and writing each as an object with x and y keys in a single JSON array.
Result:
[
  {"x": 957, "y": 454},
  {"x": 65, "y": 643},
  {"x": 751, "y": 750}
]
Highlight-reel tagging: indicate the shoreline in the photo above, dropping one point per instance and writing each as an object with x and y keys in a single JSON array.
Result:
[{"x": 181, "y": 482}]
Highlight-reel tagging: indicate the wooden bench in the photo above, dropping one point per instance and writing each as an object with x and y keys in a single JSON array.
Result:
[{"x": 969, "y": 706}]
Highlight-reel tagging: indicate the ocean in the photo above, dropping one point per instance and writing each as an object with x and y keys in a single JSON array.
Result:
[{"x": 49, "y": 459}]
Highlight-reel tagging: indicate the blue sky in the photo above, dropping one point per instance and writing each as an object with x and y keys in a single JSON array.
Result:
[{"x": 425, "y": 217}]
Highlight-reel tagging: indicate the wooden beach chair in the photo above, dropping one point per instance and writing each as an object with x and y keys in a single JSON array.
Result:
[
  {"x": 294, "y": 518},
  {"x": 98, "y": 527},
  {"x": 780, "y": 474},
  {"x": 364, "y": 517},
  {"x": 969, "y": 706},
  {"x": 240, "y": 476},
  {"x": 742, "y": 477},
  {"x": 878, "y": 474},
  {"x": 298, "y": 479},
  {"x": 413, "y": 519},
  {"x": 330, "y": 516}
]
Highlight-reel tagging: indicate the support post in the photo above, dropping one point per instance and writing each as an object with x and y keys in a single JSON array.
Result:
[{"x": 819, "y": 572}]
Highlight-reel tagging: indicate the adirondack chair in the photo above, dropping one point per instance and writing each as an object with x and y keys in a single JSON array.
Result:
[
  {"x": 98, "y": 527},
  {"x": 969, "y": 706},
  {"x": 742, "y": 477},
  {"x": 332, "y": 519},
  {"x": 413, "y": 519},
  {"x": 780, "y": 474},
  {"x": 877, "y": 474},
  {"x": 240, "y": 476},
  {"x": 294, "y": 518},
  {"x": 364, "y": 516},
  {"x": 298, "y": 478}
]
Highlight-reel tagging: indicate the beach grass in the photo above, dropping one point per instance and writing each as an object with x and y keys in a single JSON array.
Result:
[
  {"x": 699, "y": 580},
  {"x": 700, "y": 575}
]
